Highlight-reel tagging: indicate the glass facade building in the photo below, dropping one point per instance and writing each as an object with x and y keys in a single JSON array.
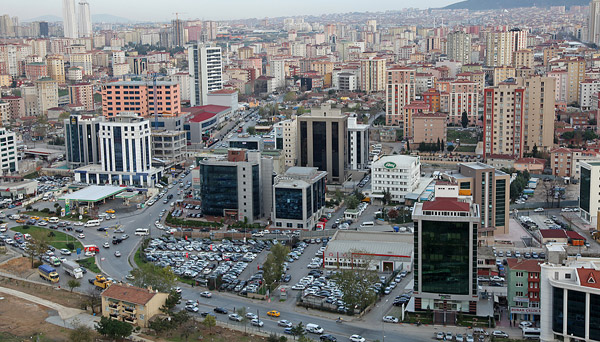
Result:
[
  {"x": 584, "y": 189},
  {"x": 288, "y": 203},
  {"x": 219, "y": 188}
]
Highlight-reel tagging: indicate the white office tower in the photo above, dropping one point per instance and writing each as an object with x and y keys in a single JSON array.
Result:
[
  {"x": 594, "y": 22},
  {"x": 70, "y": 19},
  {"x": 206, "y": 72},
  {"x": 85, "y": 20}
]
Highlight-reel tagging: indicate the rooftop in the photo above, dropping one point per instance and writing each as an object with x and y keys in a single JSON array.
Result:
[
  {"x": 379, "y": 244},
  {"x": 446, "y": 204},
  {"x": 529, "y": 265},
  {"x": 130, "y": 294},
  {"x": 93, "y": 193}
]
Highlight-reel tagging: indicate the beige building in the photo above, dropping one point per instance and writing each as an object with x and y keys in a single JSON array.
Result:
[
  {"x": 458, "y": 47},
  {"x": 462, "y": 96},
  {"x": 575, "y": 68},
  {"x": 289, "y": 140},
  {"x": 429, "y": 128},
  {"x": 373, "y": 71},
  {"x": 500, "y": 46},
  {"x": 5, "y": 80},
  {"x": 400, "y": 91},
  {"x": 83, "y": 60},
  {"x": 490, "y": 188},
  {"x": 503, "y": 73},
  {"x": 83, "y": 94},
  {"x": 539, "y": 113},
  {"x": 56, "y": 68},
  {"x": 131, "y": 304},
  {"x": 321, "y": 142},
  {"x": 565, "y": 161},
  {"x": 523, "y": 58},
  {"x": 47, "y": 94}
]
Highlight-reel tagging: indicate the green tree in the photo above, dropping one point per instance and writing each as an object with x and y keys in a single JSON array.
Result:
[
  {"x": 73, "y": 283},
  {"x": 387, "y": 196},
  {"x": 355, "y": 284},
  {"x": 113, "y": 329},
  {"x": 589, "y": 135},
  {"x": 273, "y": 265},
  {"x": 242, "y": 312},
  {"x": 81, "y": 333},
  {"x": 209, "y": 322},
  {"x": 568, "y": 135},
  {"x": 159, "y": 278},
  {"x": 37, "y": 246},
  {"x": 251, "y": 130},
  {"x": 172, "y": 300},
  {"x": 534, "y": 151},
  {"x": 464, "y": 120},
  {"x": 289, "y": 96},
  {"x": 352, "y": 202},
  {"x": 298, "y": 330}
]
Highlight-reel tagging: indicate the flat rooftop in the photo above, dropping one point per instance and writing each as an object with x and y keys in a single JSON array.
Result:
[{"x": 93, "y": 193}]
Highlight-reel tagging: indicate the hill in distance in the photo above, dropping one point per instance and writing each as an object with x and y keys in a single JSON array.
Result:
[{"x": 477, "y": 5}]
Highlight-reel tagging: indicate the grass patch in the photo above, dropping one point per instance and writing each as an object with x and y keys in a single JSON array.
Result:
[
  {"x": 59, "y": 240},
  {"x": 32, "y": 175},
  {"x": 53, "y": 214},
  {"x": 90, "y": 264},
  {"x": 463, "y": 148},
  {"x": 466, "y": 137}
]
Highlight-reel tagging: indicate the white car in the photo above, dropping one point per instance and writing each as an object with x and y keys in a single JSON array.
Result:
[
  {"x": 496, "y": 278},
  {"x": 539, "y": 210},
  {"x": 284, "y": 323},
  {"x": 258, "y": 323},
  {"x": 251, "y": 315},
  {"x": 206, "y": 294},
  {"x": 81, "y": 236},
  {"x": 566, "y": 210},
  {"x": 525, "y": 324},
  {"x": 499, "y": 333},
  {"x": 390, "y": 319},
  {"x": 357, "y": 338},
  {"x": 42, "y": 223},
  {"x": 78, "y": 223},
  {"x": 65, "y": 251},
  {"x": 235, "y": 317},
  {"x": 106, "y": 245}
]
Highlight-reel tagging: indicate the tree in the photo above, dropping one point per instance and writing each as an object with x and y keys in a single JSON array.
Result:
[
  {"x": 298, "y": 330},
  {"x": 209, "y": 322},
  {"x": 392, "y": 214},
  {"x": 534, "y": 151},
  {"x": 464, "y": 120},
  {"x": 273, "y": 265},
  {"x": 73, "y": 283},
  {"x": 387, "y": 196},
  {"x": 81, "y": 333},
  {"x": 113, "y": 329},
  {"x": 159, "y": 278},
  {"x": 289, "y": 96},
  {"x": 37, "y": 246},
  {"x": 251, "y": 130},
  {"x": 352, "y": 202},
  {"x": 172, "y": 300},
  {"x": 242, "y": 312},
  {"x": 568, "y": 135},
  {"x": 356, "y": 283},
  {"x": 589, "y": 135}
]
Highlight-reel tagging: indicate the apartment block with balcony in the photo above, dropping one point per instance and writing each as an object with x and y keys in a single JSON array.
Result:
[
  {"x": 565, "y": 161},
  {"x": 523, "y": 279},
  {"x": 138, "y": 96},
  {"x": 131, "y": 304}
]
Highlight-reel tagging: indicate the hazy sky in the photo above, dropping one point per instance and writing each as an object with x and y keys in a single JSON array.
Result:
[{"x": 159, "y": 10}]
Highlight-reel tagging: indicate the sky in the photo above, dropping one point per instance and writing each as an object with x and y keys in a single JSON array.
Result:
[{"x": 161, "y": 10}]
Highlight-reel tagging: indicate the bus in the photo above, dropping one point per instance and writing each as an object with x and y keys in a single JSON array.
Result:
[
  {"x": 142, "y": 232},
  {"x": 531, "y": 333}
]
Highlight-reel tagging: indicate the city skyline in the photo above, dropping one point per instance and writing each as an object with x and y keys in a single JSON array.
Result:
[{"x": 138, "y": 10}]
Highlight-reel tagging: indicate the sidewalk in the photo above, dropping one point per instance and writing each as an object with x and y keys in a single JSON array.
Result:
[{"x": 63, "y": 311}]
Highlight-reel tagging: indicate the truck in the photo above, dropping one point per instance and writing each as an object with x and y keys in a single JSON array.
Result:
[
  {"x": 72, "y": 268},
  {"x": 91, "y": 248},
  {"x": 48, "y": 273},
  {"x": 100, "y": 282}
]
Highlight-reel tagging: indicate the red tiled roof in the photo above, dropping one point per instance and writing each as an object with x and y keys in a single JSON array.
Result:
[
  {"x": 589, "y": 277},
  {"x": 447, "y": 204},
  {"x": 224, "y": 91},
  {"x": 202, "y": 116},
  {"x": 528, "y": 265},
  {"x": 530, "y": 161},
  {"x": 553, "y": 233},
  {"x": 574, "y": 235},
  {"x": 129, "y": 294}
]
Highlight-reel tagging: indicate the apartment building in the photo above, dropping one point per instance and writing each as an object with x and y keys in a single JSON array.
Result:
[
  {"x": 501, "y": 45},
  {"x": 131, "y": 304},
  {"x": 373, "y": 74},
  {"x": 409, "y": 111},
  {"x": 83, "y": 94},
  {"x": 462, "y": 97},
  {"x": 83, "y": 60},
  {"x": 56, "y": 68},
  {"x": 565, "y": 162},
  {"x": 206, "y": 72},
  {"x": 523, "y": 58},
  {"x": 8, "y": 152},
  {"x": 400, "y": 91},
  {"x": 47, "y": 94},
  {"x": 458, "y": 47},
  {"x": 523, "y": 289},
  {"x": 503, "y": 73},
  {"x": 588, "y": 94},
  {"x": 358, "y": 145},
  {"x": 429, "y": 127},
  {"x": 138, "y": 96}
]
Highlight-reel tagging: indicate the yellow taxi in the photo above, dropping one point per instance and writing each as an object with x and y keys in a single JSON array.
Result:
[
  {"x": 273, "y": 313},
  {"x": 34, "y": 218},
  {"x": 45, "y": 218},
  {"x": 110, "y": 211}
]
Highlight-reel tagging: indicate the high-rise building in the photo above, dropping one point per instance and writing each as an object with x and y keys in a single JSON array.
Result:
[
  {"x": 7, "y": 27},
  {"x": 589, "y": 191},
  {"x": 299, "y": 198},
  {"x": 47, "y": 94},
  {"x": 85, "y": 20},
  {"x": 138, "y": 96},
  {"x": 321, "y": 142},
  {"x": 69, "y": 12},
  {"x": 523, "y": 58},
  {"x": 239, "y": 186},
  {"x": 490, "y": 189},
  {"x": 44, "y": 32},
  {"x": 501, "y": 45},
  {"x": 8, "y": 146},
  {"x": 594, "y": 23},
  {"x": 358, "y": 145},
  {"x": 83, "y": 60},
  {"x": 400, "y": 91},
  {"x": 81, "y": 140},
  {"x": 83, "y": 94},
  {"x": 458, "y": 46},
  {"x": 445, "y": 266},
  {"x": 397, "y": 175},
  {"x": 373, "y": 72},
  {"x": 206, "y": 72},
  {"x": 178, "y": 32},
  {"x": 56, "y": 68}
]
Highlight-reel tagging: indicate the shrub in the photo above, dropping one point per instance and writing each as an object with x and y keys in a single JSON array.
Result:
[
  {"x": 37, "y": 263},
  {"x": 70, "y": 246},
  {"x": 25, "y": 226},
  {"x": 45, "y": 210},
  {"x": 28, "y": 207}
]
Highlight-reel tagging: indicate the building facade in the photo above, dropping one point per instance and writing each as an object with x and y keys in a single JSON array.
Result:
[
  {"x": 131, "y": 304},
  {"x": 523, "y": 282},
  {"x": 589, "y": 191},
  {"x": 206, "y": 72},
  {"x": 565, "y": 162},
  {"x": 399, "y": 175},
  {"x": 81, "y": 140},
  {"x": 8, "y": 152},
  {"x": 373, "y": 71},
  {"x": 458, "y": 47},
  {"x": 299, "y": 198},
  {"x": 83, "y": 94},
  {"x": 400, "y": 91},
  {"x": 139, "y": 97},
  {"x": 358, "y": 145},
  {"x": 429, "y": 128}
]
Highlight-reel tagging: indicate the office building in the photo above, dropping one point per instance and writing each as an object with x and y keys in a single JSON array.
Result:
[
  {"x": 125, "y": 151},
  {"x": 358, "y": 145},
  {"x": 429, "y": 128},
  {"x": 593, "y": 29},
  {"x": 81, "y": 140},
  {"x": 69, "y": 13},
  {"x": 445, "y": 266},
  {"x": 237, "y": 187},
  {"x": 589, "y": 191},
  {"x": 400, "y": 91},
  {"x": 523, "y": 293},
  {"x": 399, "y": 175},
  {"x": 85, "y": 20},
  {"x": 8, "y": 150},
  {"x": 83, "y": 94},
  {"x": 202, "y": 120},
  {"x": 501, "y": 45},
  {"x": 490, "y": 189},
  {"x": 131, "y": 304},
  {"x": 47, "y": 94},
  {"x": 56, "y": 68},
  {"x": 44, "y": 32},
  {"x": 206, "y": 72},
  {"x": 169, "y": 146},
  {"x": 299, "y": 198},
  {"x": 321, "y": 142},
  {"x": 569, "y": 300},
  {"x": 458, "y": 46},
  {"x": 372, "y": 74},
  {"x": 138, "y": 96}
]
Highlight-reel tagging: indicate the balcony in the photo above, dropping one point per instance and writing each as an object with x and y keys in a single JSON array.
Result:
[
  {"x": 129, "y": 310},
  {"x": 113, "y": 306}
]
